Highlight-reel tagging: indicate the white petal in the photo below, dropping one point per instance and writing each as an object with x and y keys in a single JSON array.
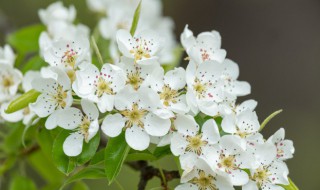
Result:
[
  {"x": 93, "y": 129},
  {"x": 112, "y": 125},
  {"x": 12, "y": 117},
  {"x": 251, "y": 185},
  {"x": 43, "y": 106},
  {"x": 45, "y": 85},
  {"x": 28, "y": 78},
  {"x": 238, "y": 177},
  {"x": 265, "y": 153},
  {"x": 69, "y": 118},
  {"x": 124, "y": 39},
  {"x": 228, "y": 124},
  {"x": 279, "y": 173},
  {"x": 72, "y": 146},
  {"x": 248, "y": 122},
  {"x": 156, "y": 126},
  {"x": 248, "y": 104},
  {"x": 232, "y": 144},
  {"x": 271, "y": 186},
  {"x": 210, "y": 131},
  {"x": 89, "y": 109},
  {"x": 176, "y": 78},
  {"x": 178, "y": 144},
  {"x": 185, "y": 124},
  {"x": 186, "y": 186},
  {"x": 105, "y": 103},
  {"x": 137, "y": 138}
]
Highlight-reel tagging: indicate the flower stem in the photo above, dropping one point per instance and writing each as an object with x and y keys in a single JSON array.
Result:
[{"x": 97, "y": 51}]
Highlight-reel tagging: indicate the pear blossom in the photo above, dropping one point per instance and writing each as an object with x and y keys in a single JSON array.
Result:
[
  {"x": 204, "y": 92},
  {"x": 170, "y": 86},
  {"x": 84, "y": 126},
  {"x": 57, "y": 12},
  {"x": 203, "y": 177},
  {"x": 138, "y": 75},
  {"x": 26, "y": 115},
  {"x": 100, "y": 86},
  {"x": 136, "y": 117},
  {"x": 7, "y": 55},
  {"x": 229, "y": 77},
  {"x": 10, "y": 79},
  {"x": 55, "y": 89},
  {"x": 285, "y": 147},
  {"x": 270, "y": 171},
  {"x": 229, "y": 158},
  {"x": 189, "y": 143},
  {"x": 142, "y": 48},
  {"x": 205, "y": 47},
  {"x": 68, "y": 55}
]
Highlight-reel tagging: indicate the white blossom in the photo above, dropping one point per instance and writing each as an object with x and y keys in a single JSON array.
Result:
[
  {"x": 84, "y": 126},
  {"x": 7, "y": 55},
  {"x": 55, "y": 89},
  {"x": 100, "y": 86},
  {"x": 136, "y": 117}
]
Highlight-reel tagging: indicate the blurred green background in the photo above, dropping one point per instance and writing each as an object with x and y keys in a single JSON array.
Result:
[{"x": 277, "y": 46}]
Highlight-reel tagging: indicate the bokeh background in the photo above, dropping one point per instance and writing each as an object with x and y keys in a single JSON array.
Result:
[{"x": 277, "y": 46}]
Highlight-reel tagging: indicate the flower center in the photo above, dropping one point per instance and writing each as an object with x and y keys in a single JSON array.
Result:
[
  {"x": 227, "y": 162},
  {"x": 168, "y": 95},
  {"x": 134, "y": 116},
  {"x": 60, "y": 96},
  {"x": 69, "y": 58},
  {"x": 141, "y": 50},
  {"x": 134, "y": 80},
  {"x": 103, "y": 86},
  {"x": 84, "y": 127},
  {"x": 261, "y": 175},
  {"x": 195, "y": 144},
  {"x": 204, "y": 182},
  {"x": 7, "y": 81},
  {"x": 199, "y": 88}
]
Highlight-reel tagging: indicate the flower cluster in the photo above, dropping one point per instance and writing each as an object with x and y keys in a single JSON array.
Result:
[{"x": 192, "y": 110}]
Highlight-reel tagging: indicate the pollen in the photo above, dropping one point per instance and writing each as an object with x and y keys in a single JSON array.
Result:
[
  {"x": 261, "y": 175},
  {"x": 69, "y": 58},
  {"x": 103, "y": 87},
  {"x": 168, "y": 96},
  {"x": 204, "y": 182},
  {"x": 195, "y": 144},
  {"x": 134, "y": 116},
  {"x": 7, "y": 81},
  {"x": 134, "y": 80},
  {"x": 227, "y": 162},
  {"x": 60, "y": 96},
  {"x": 199, "y": 88},
  {"x": 84, "y": 127}
]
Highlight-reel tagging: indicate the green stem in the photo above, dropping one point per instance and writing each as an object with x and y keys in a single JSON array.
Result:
[{"x": 97, "y": 51}]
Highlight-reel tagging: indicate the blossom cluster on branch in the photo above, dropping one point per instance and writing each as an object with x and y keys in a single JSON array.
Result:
[{"x": 193, "y": 110}]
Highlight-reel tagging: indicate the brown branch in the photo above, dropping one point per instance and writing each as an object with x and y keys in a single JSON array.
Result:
[{"x": 148, "y": 172}]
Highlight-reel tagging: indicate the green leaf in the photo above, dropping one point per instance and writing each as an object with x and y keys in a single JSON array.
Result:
[
  {"x": 199, "y": 119},
  {"x": 67, "y": 164},
  {"x": 266, "y": 121},
  {"x": 26, "y": 39},
  {"x": 97, "y": 158},
  {"x": 22, "y": 183},
  {"x": 86, "y": 173},
  {"x": 35, "y": 63},
  {"x": 291, "y": 186},
  {"x": 64, "y": 163},
  {"x": 23, "y": 101},
  {"x": 135, "y": 20},
  {"x": 115, "y": 154},
  {"x": 160, "y": 152},
  {"x": 13, "y": 140},
  {"x": 45, "y": 140},
  {"x": 140, "y": 156},
  {"x": 80, "y": 185},
  {"x": 89, "y": 150}
]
